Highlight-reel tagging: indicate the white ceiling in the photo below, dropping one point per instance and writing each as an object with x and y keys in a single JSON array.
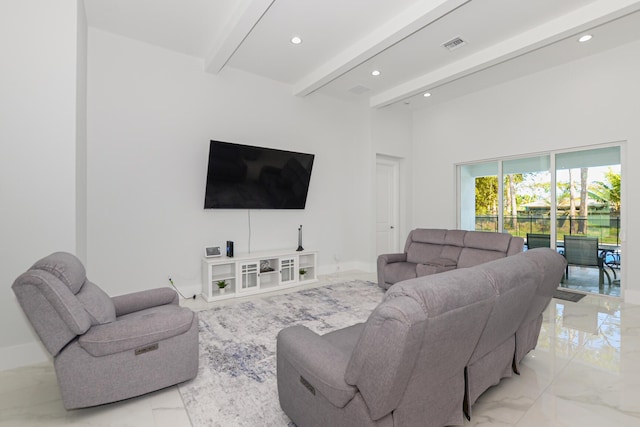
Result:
[{"x": 343, "y": 41}]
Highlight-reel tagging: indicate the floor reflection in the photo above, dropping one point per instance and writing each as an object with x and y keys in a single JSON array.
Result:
[
  {"x": 587, "y": 331},
  {"x": 585, "y": 279},
  {"x": 584, "y": 371}
]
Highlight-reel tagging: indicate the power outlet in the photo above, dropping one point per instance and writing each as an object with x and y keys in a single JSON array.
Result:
[{"x": 174, "y": 287}]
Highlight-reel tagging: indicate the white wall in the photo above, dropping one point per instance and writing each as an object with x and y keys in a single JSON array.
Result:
[
  {"x": 81, "y": 133},
  {"x": 586, "y": 102},
  {"x": 151, "y": 114},
  {"x": 38, "y": 41}
]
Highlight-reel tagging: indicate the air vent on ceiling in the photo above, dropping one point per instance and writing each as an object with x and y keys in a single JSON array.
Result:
[
  {"x": 454, "y": 43},
  {"x": 359, "y": 89}
]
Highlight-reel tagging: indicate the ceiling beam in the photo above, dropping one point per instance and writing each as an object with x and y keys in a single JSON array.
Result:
[
  {"x": 585, "y": 18},
  {"x": 246, "y": 15},
  {"x": 401, "y": 26}
]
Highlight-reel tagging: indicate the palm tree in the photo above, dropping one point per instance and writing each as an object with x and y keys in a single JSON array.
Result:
[
  {"x": 582, "y": 214},
  {"x": 607, "y": 190}
]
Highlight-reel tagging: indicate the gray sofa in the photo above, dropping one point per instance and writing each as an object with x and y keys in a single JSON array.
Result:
[
  {"x": 106, "y": 349},
  {"x": 425, "y": 354},
  {"x": 430, "y": 251}
]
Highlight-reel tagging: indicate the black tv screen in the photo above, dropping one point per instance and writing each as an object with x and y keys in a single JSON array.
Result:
[{"x": 247, "y": 177}]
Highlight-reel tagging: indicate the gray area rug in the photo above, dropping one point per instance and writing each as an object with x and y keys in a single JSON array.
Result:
[
  {"x": 236, "y": 382},
  {"x": 568, "y": 296}
]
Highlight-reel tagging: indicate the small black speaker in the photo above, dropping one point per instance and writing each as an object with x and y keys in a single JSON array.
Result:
[{"x": 229, "y": 248}]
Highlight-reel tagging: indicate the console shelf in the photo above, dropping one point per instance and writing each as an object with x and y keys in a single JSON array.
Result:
[{"x": 254, "y": 273}]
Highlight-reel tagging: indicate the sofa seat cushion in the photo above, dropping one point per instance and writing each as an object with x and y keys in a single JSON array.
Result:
[
  {"x": 434, "y": 266},
  {"x": 322, "y": 366},
  {"x": 137, "y": 330},
  {"x": 426, "y": 269},
  {"x": 442, "y": 262},
  {"x": 399, "y": 271}
]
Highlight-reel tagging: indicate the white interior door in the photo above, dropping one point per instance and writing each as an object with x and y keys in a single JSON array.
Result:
[{"x": 387, "y": 205}]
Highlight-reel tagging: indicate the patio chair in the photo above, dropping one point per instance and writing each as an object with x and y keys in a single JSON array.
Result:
[
  {"x": 611, "y": 259},
  {"x": 584, "y": 251},
  {"x": 538, "y": 241}
]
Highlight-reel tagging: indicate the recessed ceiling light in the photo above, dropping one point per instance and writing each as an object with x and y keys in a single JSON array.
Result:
[
  {"x": 585, "y": 38},
  {"x": 426, "y": 94},
  {"x": 375, "y": 73},
  {"x": 296, "y": 40}
]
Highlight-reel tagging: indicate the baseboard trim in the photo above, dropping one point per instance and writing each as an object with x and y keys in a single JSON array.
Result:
[
  {"x": 347, "y": 266},
  {"x": 22, "y": 355}
]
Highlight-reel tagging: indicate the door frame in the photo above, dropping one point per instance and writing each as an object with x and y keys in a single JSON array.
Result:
[{"x": 395, "y": 164}]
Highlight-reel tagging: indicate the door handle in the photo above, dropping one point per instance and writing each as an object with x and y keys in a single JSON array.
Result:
[{"x": 392, "y": 227}]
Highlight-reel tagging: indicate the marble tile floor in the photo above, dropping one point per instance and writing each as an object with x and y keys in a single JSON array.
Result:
[{"x": 585, "y": 372}]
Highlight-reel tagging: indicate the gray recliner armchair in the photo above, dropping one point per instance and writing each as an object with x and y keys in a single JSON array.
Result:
[{"x": 106, "y": 349}]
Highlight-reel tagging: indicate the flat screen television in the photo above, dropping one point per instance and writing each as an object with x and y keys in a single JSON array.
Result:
[{"x": 247, "y": 177}]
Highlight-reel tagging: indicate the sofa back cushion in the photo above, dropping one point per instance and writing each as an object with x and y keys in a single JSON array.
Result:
[
  {"x": 515, "y": 281},
  {"x": 425, "y": 328},
  {"x": 385, "y": 353},
  {"x": 53, "y": 310},
  {"x": 65, "y": 267},
  {"x": 97, "y": 303},
  {"x": 418, "y": 253},
  {"x": 59, "y": 301},
  {"x": 69, "y": 270},
  {"x": 457, "y": 305},
  {"x": 480, "y": 247},
  {"x": 426, "y": 244},
  {"x": 551, "y": 266}
]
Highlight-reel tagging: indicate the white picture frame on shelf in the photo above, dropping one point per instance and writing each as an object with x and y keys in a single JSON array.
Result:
[{"x": 212, "y": 251}]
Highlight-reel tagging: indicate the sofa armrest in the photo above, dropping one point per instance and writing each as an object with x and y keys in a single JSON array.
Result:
[
  {"x": 320, "y": 363},
  {"x": 385, "y": 259},
  {"x": 391, "y": 258},
  {"x": 136, "y": 301}
]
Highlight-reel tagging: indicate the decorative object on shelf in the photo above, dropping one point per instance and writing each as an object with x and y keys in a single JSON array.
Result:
[
  {"x": 265, "y": 267},
  {"x": 302, "y": 272},
  {"x": 300, "y": 248},
  {"x": 222, "y": 285},
  {"x": 212, "y": 251}
]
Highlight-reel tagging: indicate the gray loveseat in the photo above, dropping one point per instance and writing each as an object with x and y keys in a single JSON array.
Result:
[
  {"x": 430, "y": 251},
  {"x": 425, "y": 354},
  {"x": 106, "y": 349}
]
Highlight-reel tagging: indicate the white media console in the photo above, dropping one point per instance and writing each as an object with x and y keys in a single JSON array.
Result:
[{"x": 258, "y": 272}]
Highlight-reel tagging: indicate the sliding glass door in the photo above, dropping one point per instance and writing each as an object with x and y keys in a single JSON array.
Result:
[
  {"x": 588, "y": 218},
  {"x": 527, "y": 196},
  {"x": 588, "y": 194},
  {"x": 544, "y": 198},
  {"x": 479, "y": 201}
]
